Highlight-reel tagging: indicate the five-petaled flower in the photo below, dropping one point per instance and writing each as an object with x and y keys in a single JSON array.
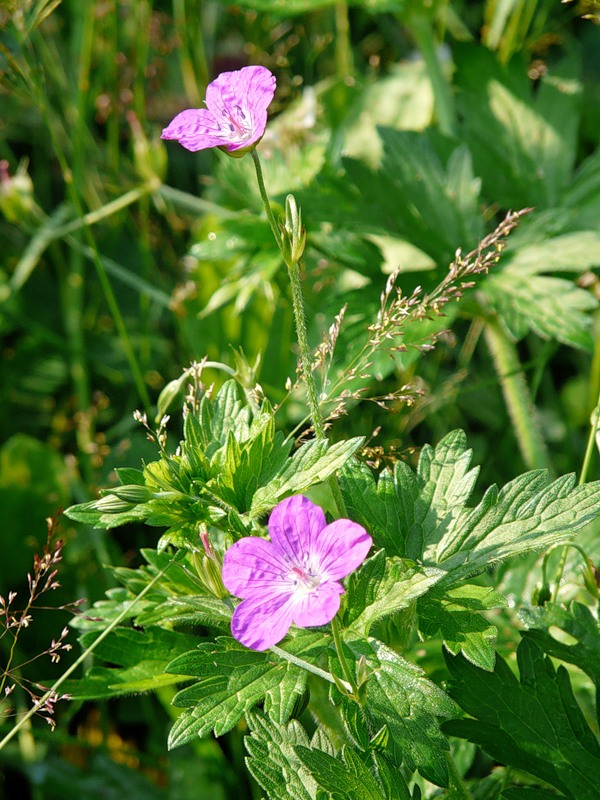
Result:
[
  {"x": 294, "y": 577},
  {"x": 235, "y": 116}
]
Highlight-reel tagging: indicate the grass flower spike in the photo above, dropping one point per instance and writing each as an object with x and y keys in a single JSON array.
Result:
[
  {"x": 295, "y": 577},
  {"x": 235, "y": 116}
]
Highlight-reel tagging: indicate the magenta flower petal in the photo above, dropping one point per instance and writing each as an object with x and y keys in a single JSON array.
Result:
[
  {"x": 319, "y": 606},
  {"x": 236, "y": 114},
  {"x": 341, "y": 548},
  {"x": 195, "y": 129},
  {"x": 252, "y": 565},
  {"x": 263, "y": 620},
  {"x": 295, "y": 525},
  {"x": 294, "y": 577}
]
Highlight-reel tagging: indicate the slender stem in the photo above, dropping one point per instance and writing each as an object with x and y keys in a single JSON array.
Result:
[
  {"x": 587, "y": 460},
  {"x": 50, "y": 233},
  {"x": 107, "y": 210},
  {"x": 517, "y": 396},
  {"x": 307, "y": 666},
  {"x": 74, "y": 289},
  {"x": 299, "y": 315},
  {"x": 591, "y": 444},
  {"x": 422, "y": 30},
  {"x": 100, "y": 269},
  {"x": 301, "y": 332},
  {"x": 460, "y": 790},
  {"x": 343, "y": 50},
  {"x": 265, "y": 198},
  {"x": 185, "y": 61},
  {"x": 339, "y": 649},
  {"x": 305, "y": 359},
  {"x": 58, "y": 683}
]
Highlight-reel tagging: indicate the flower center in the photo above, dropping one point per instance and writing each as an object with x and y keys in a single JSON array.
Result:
[
  {"x": 304, "y": 579},
  {"x": 237, "y": 122}
]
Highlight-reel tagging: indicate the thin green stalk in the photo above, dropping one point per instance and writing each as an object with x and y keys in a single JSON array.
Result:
[
  {"x": 265, "y": 198},
  {"x": 422, "y": 29},
  {"x": 339, "y": 649},
  {"x": 583, "y": 476},
  {"x": 516, "y": 395},
  {"x": 321, "y": 673},
  {"x": 343, "y": 49},
  {"x": 87, "y": 652},
  {"x": 305, "y": 357},
  {"x": 74, "y": 288},
  {"x": 196, "y": 205},
  {"x": 459, "y": 789},
  {"x": 299, "y": 315},
  {"x": 113, "y": 148},
  {"x": 74, "y": 179},
  {"x": 301, "y": 331},
  {"x": 185, "y": 60}
]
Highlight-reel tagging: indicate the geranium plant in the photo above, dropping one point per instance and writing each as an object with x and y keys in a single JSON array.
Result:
[{"x": 298, "y": 619}]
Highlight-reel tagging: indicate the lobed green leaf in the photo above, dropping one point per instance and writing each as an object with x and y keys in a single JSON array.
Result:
[{"x": 533, "y": 724}]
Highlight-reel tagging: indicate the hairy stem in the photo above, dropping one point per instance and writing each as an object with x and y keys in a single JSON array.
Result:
[
  {"x": 516, "y": 395},
  {"x": 301, "y": 331}
]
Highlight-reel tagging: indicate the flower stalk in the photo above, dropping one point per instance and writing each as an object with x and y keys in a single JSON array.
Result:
[{"x": 291, "y": 245}]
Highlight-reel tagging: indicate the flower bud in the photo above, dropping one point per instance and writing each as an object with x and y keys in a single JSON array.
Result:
[
  {"x": 132, "y": 493},
  {"x": 169, "y": 394},
  {"x": 591, "y": 578},
  {"x": 111, "y": 504},
  {"x": 209, "y": 572},
  {"x": 16, "y": 194},
  {"x": 541, "y": 594},
  {"x": 293, "y": 233}
]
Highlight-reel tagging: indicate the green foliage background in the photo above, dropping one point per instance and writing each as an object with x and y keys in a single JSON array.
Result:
[{"x": 406, "y": 130}]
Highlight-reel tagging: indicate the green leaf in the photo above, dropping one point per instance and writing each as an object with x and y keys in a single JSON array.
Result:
[
  {"x": 454, "y": 616},
  {"x": 382, "y": 587},
  {"x": 554, "y": 308},
  {"x": 424, "y": 516},
  {"x": 140, "y": 659},
  {"x": 188, "y": 610},
  {"x": 178, "y": 598},
  {"x": 534, "y": 724},
  {"x": 400, "y": 696},
  {"x": 431, "y": 200},
  {"x": 248, "y": 465},
  {"x": 231, "y": 463},
  {"x": 579, "y": 622},
  {"x": 343, "y": 778},
  {"x": 528, "y": 794},
  {"x": 312, "y": 463},
  {"x": 233, "y": 680},
  {"x": 273, "y": 762},
  {"x": 523, "y": 141},
  {"x": 107, "y": 512},
  {"x": 569, "y": 252},
  {"x": 293, "y": 7}
]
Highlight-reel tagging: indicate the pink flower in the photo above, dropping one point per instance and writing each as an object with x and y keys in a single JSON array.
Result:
[
  {"x": 235, "y": 116},
  {"x": 294, "y": 577}
]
